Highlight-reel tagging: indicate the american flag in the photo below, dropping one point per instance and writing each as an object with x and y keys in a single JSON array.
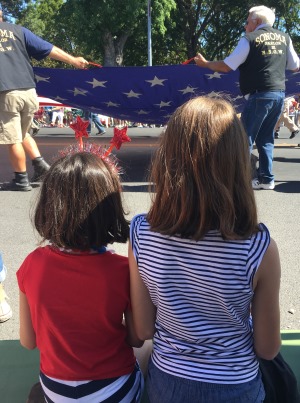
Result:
[{"x": 142, "y": 94}]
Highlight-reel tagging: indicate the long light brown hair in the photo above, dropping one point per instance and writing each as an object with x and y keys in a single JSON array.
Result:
[{"x": 201, "y": 174}]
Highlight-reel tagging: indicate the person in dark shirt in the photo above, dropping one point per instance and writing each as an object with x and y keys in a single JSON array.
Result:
[
  {"x": 262, "y": 56},
  {"x": 18, "y": 98}
]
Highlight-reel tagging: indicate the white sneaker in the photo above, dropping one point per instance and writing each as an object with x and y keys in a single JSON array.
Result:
[
  {"x": 5, "y": 309},
  {"x": 256, "y": 184}
]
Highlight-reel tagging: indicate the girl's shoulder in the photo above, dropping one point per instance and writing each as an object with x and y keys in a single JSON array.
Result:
[
  {"x": 263, "y": 234},
  {"x": 138, "y": 220}
]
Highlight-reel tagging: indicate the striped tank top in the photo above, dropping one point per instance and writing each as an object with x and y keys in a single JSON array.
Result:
[{"x": 202, "y": 291}]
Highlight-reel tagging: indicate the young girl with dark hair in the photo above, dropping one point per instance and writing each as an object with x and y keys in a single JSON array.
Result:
[
  {"x": 204, "y": 273},
  {"x": 74, "y": 291}
]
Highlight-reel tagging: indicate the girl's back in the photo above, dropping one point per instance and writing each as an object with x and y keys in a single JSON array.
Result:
[
  {"x": 202, "y": 291},
  {"x": 77, "y": 302}
]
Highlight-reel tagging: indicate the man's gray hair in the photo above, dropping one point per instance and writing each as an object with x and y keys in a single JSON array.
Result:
[{"x": 265, "y": 14}]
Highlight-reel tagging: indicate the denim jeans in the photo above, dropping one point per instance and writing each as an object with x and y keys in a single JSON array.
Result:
[
  {"x": 2, "y": 270},
  {"x": 259, "y": 118},
  {"x": 97, "y": 122},
  {"x": 93, "y": 117},
  {"x": 165, "y": 388}
]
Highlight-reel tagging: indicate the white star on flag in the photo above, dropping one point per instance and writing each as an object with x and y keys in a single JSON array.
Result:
[
  {"x": 213, "y": 94},
  {"x": 109, "y": 103},
  {"x": 162, "y": 104},
  {"x": 96, "y": 83},
  {"x": 214, "y": 75},
  {"x": 132, "y": 94},
  {"x": 141, "y": 112},
  {"x": 39, "y": 78},
  {"x": 59, "y": 99},
  {"x": 156, "y": 81},
  {"x": 78, "y": 91},
  {"x": 187, "y": 90}
]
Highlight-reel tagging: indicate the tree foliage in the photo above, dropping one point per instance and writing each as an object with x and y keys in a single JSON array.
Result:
[
  {"x": 114, "y": 32},
  {"x": 102, "y": 27},
  {"x": 41, "y": 17},
  {"x": 12, "y": 8},
  {"x": 214, "y": 26}
]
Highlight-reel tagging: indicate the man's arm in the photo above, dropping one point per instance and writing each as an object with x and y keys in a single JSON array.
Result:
[
  {"x": 217, "y": 65},
  {"x": 292, "y": 58},
  {"x": 59, "y": 54},
  {"x": 39, "y": 49},
  {"x": 231, "y": 62}
]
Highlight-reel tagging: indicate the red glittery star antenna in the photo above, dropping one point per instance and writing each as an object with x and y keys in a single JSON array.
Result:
[
  {"x": 120, "y": 136},
  {"x": 80, "y": 127}
]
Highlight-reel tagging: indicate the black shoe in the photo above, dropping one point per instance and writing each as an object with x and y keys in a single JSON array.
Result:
[
  {"x": 19, "y": 186},
  {"x": 40, "y": 167},
  {"x": 104, "y": 131},
  {"x": 20, "y": 183},
  {"x": 35, "y": 132},
  {"x": 294, "y": 134},
  {"x": 276, "y": 135}
]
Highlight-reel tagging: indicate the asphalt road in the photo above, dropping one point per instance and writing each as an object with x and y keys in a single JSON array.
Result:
[{"x": 278, "y": 209}]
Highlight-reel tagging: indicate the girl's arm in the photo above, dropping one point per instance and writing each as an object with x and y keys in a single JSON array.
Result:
[
  {"x": 143, "y": 309},
  {"x": 132, "y": 338},
  {"x": 265, "y": 305},
  {"x": 27, "y": 333}
]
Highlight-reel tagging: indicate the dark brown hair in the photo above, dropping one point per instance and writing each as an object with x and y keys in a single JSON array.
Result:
[
  {"x": 79, "y": 205},
  {"x": 201, "y": 174}
]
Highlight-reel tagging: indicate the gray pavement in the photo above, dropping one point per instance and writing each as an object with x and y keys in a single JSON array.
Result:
[{"x": 278, "y": 209}]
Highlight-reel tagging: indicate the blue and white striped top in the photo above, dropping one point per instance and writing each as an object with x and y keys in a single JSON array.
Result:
[{"x": 202, "y": 291}]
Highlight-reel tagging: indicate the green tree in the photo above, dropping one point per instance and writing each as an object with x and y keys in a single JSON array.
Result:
[
  {"x": 167, "y": 45},
  {"x": 214, "y": 26},
  {"x": 102, "y": 27},
  {"x": 114, "y": 32},
  {"x": 12, "y": 8},
  {"x": 42, "y": 18}
]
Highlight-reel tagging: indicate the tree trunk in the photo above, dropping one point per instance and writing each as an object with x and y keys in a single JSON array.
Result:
[{"x": 113, "y": 49}]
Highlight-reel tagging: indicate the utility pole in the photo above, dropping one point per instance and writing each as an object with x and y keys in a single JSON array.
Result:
[{"x": 149, "y": 35}]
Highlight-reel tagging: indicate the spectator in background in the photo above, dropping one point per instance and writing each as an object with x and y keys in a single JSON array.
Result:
[
  {"x": 58, "y": 116},
  {"x": 5, "y": 309},
  {"x": 286, "y": 120},
  {"x": 68, "y": 116},
  {"x": 297, "y": 110},
  {"x": 18, "y": 98},
  {"x": 104, "y": 119},
  {"x": 93, "y": 117}
]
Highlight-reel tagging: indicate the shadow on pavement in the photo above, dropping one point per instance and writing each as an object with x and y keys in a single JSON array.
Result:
[
  {"x": 288, "y": 187},
  {"x": 290, "y": 160},
  {"x": 134, "y": 188}
]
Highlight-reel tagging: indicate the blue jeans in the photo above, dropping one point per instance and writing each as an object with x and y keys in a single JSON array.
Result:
[
  {"x": 259, "y": 118},
  {"x": 93, "y": 117},
  {"x": 2, "y": 270},
  {"x": 98, "y": 124},
  {"x": 165, "y": 388}
]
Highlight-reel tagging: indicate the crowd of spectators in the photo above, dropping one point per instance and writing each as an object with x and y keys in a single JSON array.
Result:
[{"x": 48, "y": 116}]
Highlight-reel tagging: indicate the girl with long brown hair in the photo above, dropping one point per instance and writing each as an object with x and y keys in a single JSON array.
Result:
[{"x": 200, "y": 262}]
